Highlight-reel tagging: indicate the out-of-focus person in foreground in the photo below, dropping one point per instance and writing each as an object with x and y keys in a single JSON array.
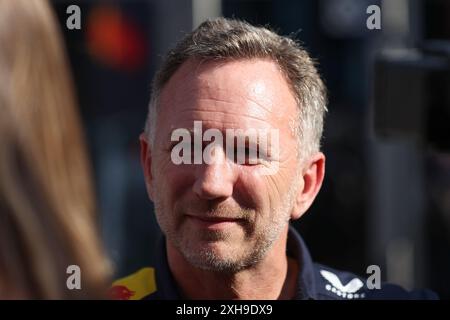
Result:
[{"x": 47, "y": 206}]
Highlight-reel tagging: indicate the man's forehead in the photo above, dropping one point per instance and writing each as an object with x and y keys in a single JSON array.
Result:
[{"x": 254, "y": 87}]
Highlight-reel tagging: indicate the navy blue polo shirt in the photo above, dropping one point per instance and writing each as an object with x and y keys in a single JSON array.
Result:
[{"x": 314, "y": 281}]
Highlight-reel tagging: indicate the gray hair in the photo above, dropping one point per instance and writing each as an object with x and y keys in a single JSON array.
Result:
[{"x": 222, "y": 39}]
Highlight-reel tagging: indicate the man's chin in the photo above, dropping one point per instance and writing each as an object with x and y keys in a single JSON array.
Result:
[
  {"x": 213, "y": 256},
  {"x": 214, "y": 263},
  {"x": 211, "y": 247}
]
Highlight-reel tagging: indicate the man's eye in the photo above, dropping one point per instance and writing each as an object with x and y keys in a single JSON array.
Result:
[{"x": 246, "y": 156}]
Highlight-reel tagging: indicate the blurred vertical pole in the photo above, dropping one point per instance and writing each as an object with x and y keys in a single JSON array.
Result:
[
  {"x": 204, "y": 9},
  {"x": 397, "y": 168},
  {"x": 170, "y": 21}
]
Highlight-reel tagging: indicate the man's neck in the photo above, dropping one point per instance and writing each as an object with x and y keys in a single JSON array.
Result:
[{"x": 274, "y": 277}]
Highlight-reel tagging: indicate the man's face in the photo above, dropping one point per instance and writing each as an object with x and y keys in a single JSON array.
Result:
[{"x": 224, "y": 216}]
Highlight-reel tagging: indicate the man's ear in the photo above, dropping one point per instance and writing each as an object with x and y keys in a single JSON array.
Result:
[
  {"x": 312, "y": 176},
  {"x": 146, "y": 162}
]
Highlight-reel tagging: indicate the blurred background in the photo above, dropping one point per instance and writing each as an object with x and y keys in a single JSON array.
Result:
[{"x": 386, "y": 196}]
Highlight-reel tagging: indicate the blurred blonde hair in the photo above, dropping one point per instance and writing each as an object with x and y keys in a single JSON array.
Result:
[{"x": 46, "y": 197}]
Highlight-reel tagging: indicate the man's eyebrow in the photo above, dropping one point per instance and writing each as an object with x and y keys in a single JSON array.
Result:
[
  {"x": 264, "y": 148},
  {"x": 234, "y": 134},
  {"x": 191, "y": 132},
  {"x": 170, "y": 133}
]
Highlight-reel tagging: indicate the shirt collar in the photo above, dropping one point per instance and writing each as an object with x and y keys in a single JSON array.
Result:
[
  {"x": 296, "y": 248},
  {"x": 165, "y": 283}
]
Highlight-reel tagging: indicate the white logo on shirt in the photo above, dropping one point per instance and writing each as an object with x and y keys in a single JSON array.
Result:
[{"x": 348, "y": 291}]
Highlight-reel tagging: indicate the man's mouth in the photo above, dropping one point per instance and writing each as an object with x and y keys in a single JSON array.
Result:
[{"x": 213, "y": 223}]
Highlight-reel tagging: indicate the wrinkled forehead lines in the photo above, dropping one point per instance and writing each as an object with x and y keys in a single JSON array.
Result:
[
  {"x": 256, "y": 84},
  {"x": 258, "y": 80},
  {"x": 253, "y": 78}
]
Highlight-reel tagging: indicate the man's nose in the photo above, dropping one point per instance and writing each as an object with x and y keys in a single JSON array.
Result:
[{"x": 214, "y": 180}]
